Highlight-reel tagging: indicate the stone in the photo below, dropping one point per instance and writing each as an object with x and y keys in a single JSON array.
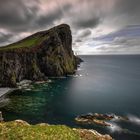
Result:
[
  {"x": 98, "y": 119},
  {"x": 1, "y": 118}
]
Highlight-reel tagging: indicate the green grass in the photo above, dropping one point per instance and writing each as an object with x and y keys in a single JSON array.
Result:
[
  {"x": 33, "y": 40},
  {"x": 22, "y": 131},
  {"x": 28, "y": 42}
]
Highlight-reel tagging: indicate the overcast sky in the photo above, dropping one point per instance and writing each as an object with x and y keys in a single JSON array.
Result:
[{"x": 98, "y": 26}]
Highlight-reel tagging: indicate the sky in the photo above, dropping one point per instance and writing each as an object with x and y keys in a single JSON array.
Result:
[{"x": 98, "y": 26}]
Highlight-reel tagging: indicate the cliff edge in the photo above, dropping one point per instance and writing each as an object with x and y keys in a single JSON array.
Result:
[{"x": 43, "y": 54}]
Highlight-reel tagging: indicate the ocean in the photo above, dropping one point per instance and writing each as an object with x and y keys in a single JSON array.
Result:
[{"x": 102, "y": 84}]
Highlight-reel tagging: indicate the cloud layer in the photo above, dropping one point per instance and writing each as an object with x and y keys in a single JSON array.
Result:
[{"x": 103, "y": 26}]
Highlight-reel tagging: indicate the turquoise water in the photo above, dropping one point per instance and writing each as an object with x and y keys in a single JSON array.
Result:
[{"x": 102, "y": 84}]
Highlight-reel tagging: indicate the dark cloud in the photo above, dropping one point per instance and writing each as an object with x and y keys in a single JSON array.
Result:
[
  {"x": 129, "y": 7},
  {"x": 48, "y": 19},
  {"x": 16, "y": 14},
  {"x": 78, "y": 40},
  {"x": 124, "y": 12},
  {"x": 84, "y": 33},
  {"x": 4, "y": 37},
  {"x": 87, "y": 23},
  {"x": 19, "y": 15},
  {"x": 26, "y": 15},
  {"x": 86, "y": 17}
]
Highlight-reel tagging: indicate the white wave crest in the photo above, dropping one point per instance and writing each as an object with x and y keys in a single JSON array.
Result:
[
  {"x": 134, "y": 119},
  {"x": 115, "y": 128}
]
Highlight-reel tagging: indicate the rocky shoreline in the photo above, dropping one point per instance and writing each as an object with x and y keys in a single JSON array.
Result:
[
  {"x": 4, "y": 91},
  {"x": 24, "y": 84}
]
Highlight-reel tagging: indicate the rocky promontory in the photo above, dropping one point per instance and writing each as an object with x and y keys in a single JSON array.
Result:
[{"x": 43, "y": 54}]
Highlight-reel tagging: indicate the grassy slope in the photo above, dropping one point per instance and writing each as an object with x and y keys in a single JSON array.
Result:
[
  {"x": 28, "y": 42},
  {"x": 20, "y": 130},
  {"x": 16, "y": 131}
]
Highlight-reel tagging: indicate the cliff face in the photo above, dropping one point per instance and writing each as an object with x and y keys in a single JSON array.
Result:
[{"x": 46, "y": 53}]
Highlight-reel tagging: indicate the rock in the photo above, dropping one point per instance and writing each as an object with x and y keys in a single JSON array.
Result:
[
  {"x": 99, "y": 119},
  {"x": 40, "y": 82},
  {"x": 78, "y": 60},
  {"x": 92, "y": 134},
  {"x": 24, "y": 82},
  {"x": 1, "y": 118},
  {"x": 43, "y": 54},
  {"x": 21, "y": 122},
  {"x": 101, "y": 122},
  {"x": 103, "y": 116},
  {"x": 122, "y": 118},
  {"x": 43, "y": 124},
  {"x": 92, "y": 121}
]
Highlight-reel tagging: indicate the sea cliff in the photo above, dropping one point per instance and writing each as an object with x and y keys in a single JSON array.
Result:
[{"x": 43, "y": 54}]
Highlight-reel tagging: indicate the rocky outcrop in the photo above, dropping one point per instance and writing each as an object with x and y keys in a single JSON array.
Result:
[
  {"x": 46, "y": 53},
  {"x": 90, "y": 134},
  {"x": 99, "y": 119}
]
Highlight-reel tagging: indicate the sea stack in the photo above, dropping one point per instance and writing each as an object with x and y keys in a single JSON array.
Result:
[{"x": 43, "y": 54}]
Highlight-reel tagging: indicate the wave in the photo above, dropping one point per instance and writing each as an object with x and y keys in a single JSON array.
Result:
[
  {"x": 116, "y": 128},
  {"x": 134, "y": 119}
]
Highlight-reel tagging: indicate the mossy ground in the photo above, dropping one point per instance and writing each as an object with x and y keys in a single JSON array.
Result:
[{"x": 23, "y": 131}]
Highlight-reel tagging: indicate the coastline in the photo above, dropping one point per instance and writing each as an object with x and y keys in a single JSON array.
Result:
[{"x": 81, "y": 133}]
